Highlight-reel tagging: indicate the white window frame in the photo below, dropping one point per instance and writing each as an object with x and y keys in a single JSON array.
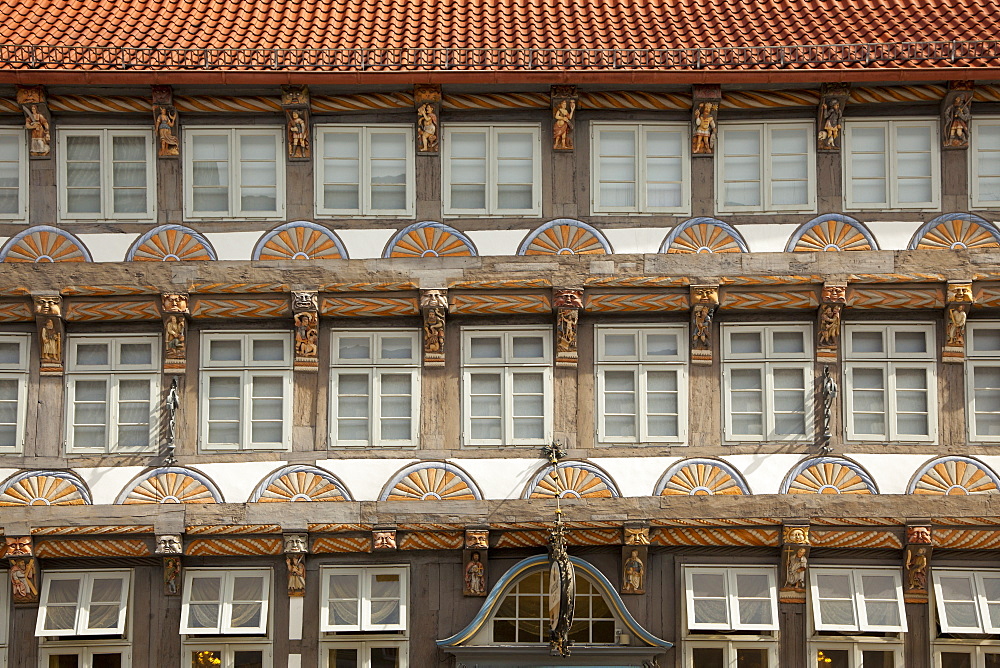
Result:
[
  {"x": 973, "y": 360},
  {"x": 858, "y": 600},
  {"x": 764, "y": 129},
  {"x": 640, "y": 132},
  {"x": 976, "y": 650},
  {"x": 730, "y": 648},
  {"x": 112, "y": 374},
  {"x": 18, "y": 372},
  {"x": 976, "y": 200},
  {"x": 86, "y": 580},
  {"x": 22, "y": 174},
  {"x": 233, "y": 133},
  {"x": 889, "y": 361},
  {"x": 976, "y": 580},
  {"x": 85, "y": 653},
  {"x": 767, "y": 362},
  {"x": 364, "y": 648},
  {"x": 492, "y": 132},
  {"x": 856, "y": 649},
  {"x": 106, "y": 186},
  {"x": 364, "y": 134},
  {"x": 246, "y": 370},
  {"x": 363, "y": 575},
  {"x": 225, "y": 618},
  {"x": 228, "y": 650},
  {"x": 729, "y": 575},
  {"x": 890, "y": 166},
  {"x": 640, "y": 365},
  {"x": 506, "y": 367},
  {"x": 375, "y": 367}
]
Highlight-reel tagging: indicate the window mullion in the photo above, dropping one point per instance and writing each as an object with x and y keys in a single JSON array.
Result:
[
  {"x": 246, "y": 408},
  {"x": 375, "y": 406},
  {"x": 639, "y": 151},
  {"x": 768, "y": 403},
  {"x": 365, "y": 184},
  {"x": 234, "y": 164},
  {"x": 891, "y": 165},
  {"x": 507, "y": 403},
  {"x": 492, "y": 170},
  {"x": 641, "y": 386},
  {"x": 105, "y": 172}
]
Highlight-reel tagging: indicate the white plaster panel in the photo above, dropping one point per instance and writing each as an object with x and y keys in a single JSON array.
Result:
[
  {"x": 234, "y": 245},
  {"x": 766, "y": 238},
  {"x": 497, "y": 242},
  {"x": 295, "y": 660},
  {"x": 6, "y": 473},
  {"x": 892, "y": 473},
  {"x": 635, "y": 476},
  {"x": 636, "y": 239},
  {"x": 108, "y": 247},
  {"x": 764, "y": 473},
  {"x": 365, "y": 244},
  {"x": 500, "y": 478},
  {"x": 364, "y": 478},
  {"x": 892, "y": 235},
  {"x": 106, "y": 483},
  {"x": 237, "y": 480},
  {"x": 295, "y": 608}
]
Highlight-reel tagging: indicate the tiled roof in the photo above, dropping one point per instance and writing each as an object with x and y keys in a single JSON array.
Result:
[{"x": 514, "y": 24}]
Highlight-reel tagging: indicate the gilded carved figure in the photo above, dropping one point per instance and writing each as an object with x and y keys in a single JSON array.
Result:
[
  {"x": 51, "y": 342},
  {"x": 796, "y": 535},
  {"x": 427, "y": 128},
  {"x": 957, "y": 118},
  {"x": 633, "y": 574},
  {"x": 960, "y": 293},
  {"x": 636, "y": 536},
  {"x": 566, "y": 328},
  {"x": 475, "y": 576},
  {"x": 955, "y": 327},
  {"x": 296, "y": 564},
  {"x": 916, "y": 568},
  {"x": 701, "y": 338},
  {"x": 298, "y": 135},
  {"x": 166, "y": 132},
  {"x": 296, "y": 543},
  {"x": 48, "y": 306},
  {"x": 568, "y": 299},
  {"x": 703, "y": 141},
  {"x": 174, "y": 336},
  {"x": 832, "y": 116},
  {"x": 562, "y": 126},
  {"x": 17, "y": 546},
  {"x": 38, "y": 128},
  {"x": 829, "y": 325}
]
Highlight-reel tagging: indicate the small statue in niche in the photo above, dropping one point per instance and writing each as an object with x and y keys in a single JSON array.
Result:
[
  {"x": 171, "y": 575},
  {"x": 562, "y": 127},
  {"x": 306, "y": 334},
  {"x": 833, "y": 116},
  {"x": 427, "y": 128},
  {"x": 51, "y": 342},
  {"x": 24, "y": 580},
  {"x": 298, "y": 136},
  {"x": 916, "y": 568},
  {"x": 174, "y": 331},
  {"x": 434, "y": 330},
  {"x": 166, "y": 132},
  {"x": 38, "y": 127},
  {"x": 955, "y": 330},
  {"x": 702, "y": 338},
  {"x": 296, "y": 564},
  {"x": 566, "y": 329},
  {"x": 795, "y": 569},
  {"x": 957, "y": 117},
  {"x": 475, "y": 575},
  {"x": 829, "y": 325},
  {"x": 703, "y": 141},
  {"x": 633, "y": 574}
]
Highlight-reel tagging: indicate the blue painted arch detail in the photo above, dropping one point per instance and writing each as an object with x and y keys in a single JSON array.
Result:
[
  {"x": 196, "y": 236},
  {"x": 571, "y": 478},
  {"x": 539, "y": 562},
  {"x": 948, "y": 236},
  {"x": 704, "y": 486},
  {"x": 865, "y": 481},
  {"x": 20, "y": 480},
  {"x": 300, "y": 482},
  {"x": 695, "y": 235},
  {"x": 210, "y": 487},
  {"x": 69, "y": 237},
  {"x": 316, "y": 243},
  {"x": 431, "y": 480},
  {"x": 550, "y": 239},
  {"x": 429, "y": 238},
  {"x": 814, "y": 234}
]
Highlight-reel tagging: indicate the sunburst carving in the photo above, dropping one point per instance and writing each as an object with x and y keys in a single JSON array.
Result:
[
  {"x": 701, "y": 477},
  {"x": 300, "y": 483},
  {"x": 300, "y": 240},
  {"x": 44, "y": 488},
  {"x": 955, "y": 476},
  {"x": 565, "y": 237},
  {"x": 829, "y": 475},
  {"x": 171, "y": 243},
  {"x": 44, "y": 243},
  {"x": 956, "y": 230},
  {"x": 431, "y": 481},
  {"x": 429, "y": 239},
  {"x": 703, "y": 235},
  {"x": 832, "y": 232},
  {"x": 172, "y": 484},
  {"x": 578, "y": 480}
]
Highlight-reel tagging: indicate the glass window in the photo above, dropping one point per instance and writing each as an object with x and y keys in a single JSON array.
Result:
[
  {"x": 13, "y": 174},
  {"x": 967, "y": 601},
  {"x": 364, "y": 599},
  {"x": 766, "y": 167},
  {"x": 722, "y": 598},
  {"x": 13, "y": 391},
  {"x": 106, "y": 174},
  {"x": 985, "y": 163},
  {"x": 891, "y": 164},
  {"x": 492, "y": 170},
  {"x": 73, "y": 603},
  {"x": 857, "y": 655},
  {"x": 640, "y": 168},
  {"x": 983, "y": 380},
  {"x": 227, "y": 655},
  {"x": 730, "y": 654},
  {"x": 859, "y": 599},
  {"x": 365, "y": 170},
  {"x": 225, "y": 601},
  {"x": 890, "y": 382},
  {"x": 234, "y": 173}
]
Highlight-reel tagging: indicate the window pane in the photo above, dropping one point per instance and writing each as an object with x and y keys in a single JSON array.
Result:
[
  {"x": 746, "y": 402},
  {"x": 529, "y": 347},
  {"x": 343, "y": 658},
  {"x": 910, "y": 342},
  {"x": 619, "y": 404},
  {"x": 619, "y": 345},
  {"x": 248, "y": 659},
  {"x": 135, "y": 354},
  {"x": 833, "y": 658},
  {"x": 10, "y": 352},
  {"x": 92, "y": 354},
  {"x": 986, "y": 340},
  {"x": 397, "y": 347},
  {"x": 384, "y": 657},
  {"x": 105, "y": 660},
  {"x": 959, "y": 660},
  {"x": 484, "y": 348},
  {"x": 708, "y": 657},
  {"x": 879, "y": 593},
  {"x": 354, "y": 348},
  {"x": 751, "y": 658},
  {"x": 268, "y": 350},
  {"x": 788, "y": 342},
  {"x": 745, "y": 343},
  {"x": 485, "y": 406},
  {"x": 225, "y": 350}
]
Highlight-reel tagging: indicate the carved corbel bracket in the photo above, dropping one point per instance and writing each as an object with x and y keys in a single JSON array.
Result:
[
  {"x": 567, "y": 303},
  {"x": 296, "y": 548},
  {"x": 959, "y": 301},
  {"x": 704, "y": 304},
  {"x": 564, "y": 101},
  {"x": 794, "y": 563},
  {"x": 175, "y": 310},
  {"x": 705, "y": 102},
  {"x": 305, "y": 316},
  {"x": 831, "y": 309},
  {"x": 427, "y": 102},
  {"x": 37, "y": 120},
  {"x": 383, "y": 539},
  {"x": 165, "y": 122},
  {"x": 434, "y": 308},
  {"x": 830, "y": 120},
  {"x": 23, "y": 569},
  {"x": 475, "y": 563},
  {"x": 917, "y": 562},
  {"x": 298, "y": 129},
  {"x": 51, "y": 333},
  {"x": 956, "y": 114}
]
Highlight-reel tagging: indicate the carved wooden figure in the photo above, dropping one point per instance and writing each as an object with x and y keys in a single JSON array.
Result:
[
  {"x": 474, "y": 573},
  {"x": 634, "y": 569},
  {"x": 636, "y": 535},
  {"x": 37, "y": 120},
  {"x": 568, "y": 304},
  {"x": 165, "y": 122},
  {"x": 169, "y": 544},
  {"x": 305, "y": 305},
  {"x": 296, "y": 565},
  {"x": 956, "y": 114},
  {"x": 830, "y": 124},
  {"x": 917, "y": 563},
  {"x": 172, "y": 576},
  {"x": 17, "y": 546},
  {"x": 427, "y": 99},
  {"x": 959, "y": 302},
  {"x": 831, "y": 308},
  {"x": 295, "y": 102},
  {"x": 704, "y": 303},
  {"x": 383, "y": 539},
  {"x": 704, "y": 115},
  {"x": 175, "y": 312},
  {"x": 24, "y": 577},
  {"x": 51, "y": 333},
  {"x": 564, "y": 103},
  {"x": 477, "y": 539},
  {"x": 434, "y": 306},
  {"x": 794, "y": 564}
]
